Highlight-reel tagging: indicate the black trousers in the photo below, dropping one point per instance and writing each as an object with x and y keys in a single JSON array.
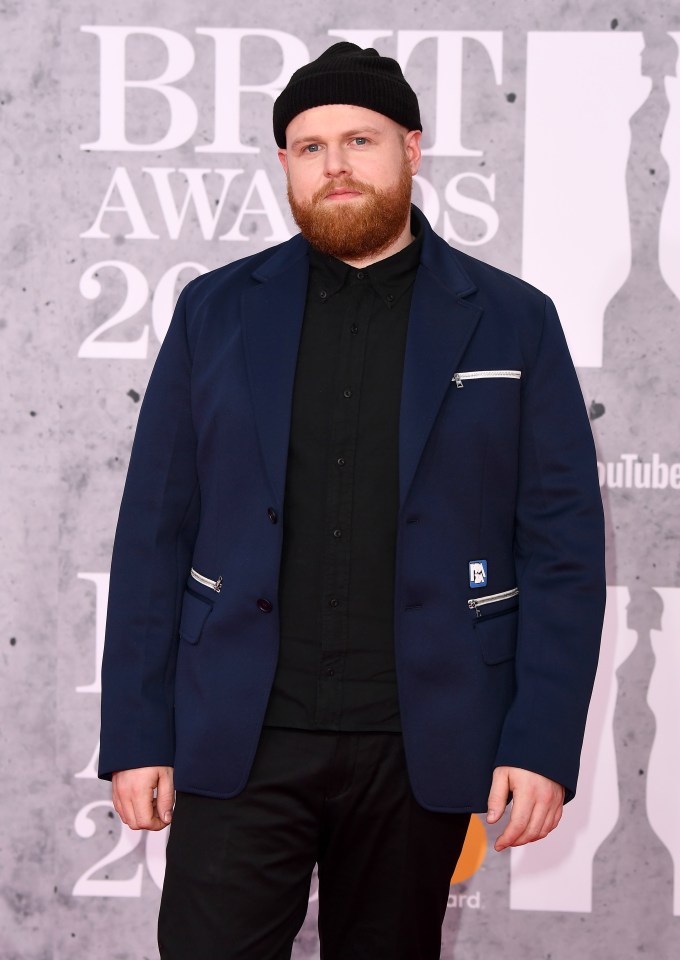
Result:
[{"x": 238, "y": 871}]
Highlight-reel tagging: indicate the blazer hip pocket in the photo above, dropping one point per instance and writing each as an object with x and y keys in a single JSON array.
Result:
[
  {"x": 498, "y": 636},
  {"x": 495, "y": 625}
]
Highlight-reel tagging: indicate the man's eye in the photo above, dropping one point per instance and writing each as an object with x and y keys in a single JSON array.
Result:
[
  {"x": 312, "y": 147},
  {"x": 360, "y": 141}
]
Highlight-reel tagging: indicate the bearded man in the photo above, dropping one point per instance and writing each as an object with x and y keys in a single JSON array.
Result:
[{"x": 357, "y": 584}]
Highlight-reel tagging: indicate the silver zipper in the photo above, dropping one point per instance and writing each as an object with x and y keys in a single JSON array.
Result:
[
  {"x": 215, "y": 585},
  {"x": 484, "y": 375},
  {"x": 476, "y": 602}
]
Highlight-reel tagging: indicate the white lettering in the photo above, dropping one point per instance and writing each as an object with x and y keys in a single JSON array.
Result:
[
  {"x": 136, "y": 295},
  {"x": 129, "y": 205},
  {"x": 449, "y": 81},
  {"x": 228, "y": 85},
  {"x": 89, "y": 771},
  {"x": 101, "y": 583},
  {"x": 628, "y": 459},
  {"x": 472, "y": 900},
  {"x": 195, "y": 193},
  {"x": 89, "y": 885},
  {"x": 166, "y": 293},
  {"x": 270, "y": 209},
  {"x": 630, "y": 472},
  {"x": 659, "y": 473},
  {"x": 429, "y": 199},
  {"x": 643, "y": 475},
  {"x": 121, "y": 198},
  {"x": 474, "y": 208},
  {"x": 114, "y": 85},
  {"x": 101, "y": 600},
  {"x": 675, "y": 476},
  {"x": 614, "y": 475}
]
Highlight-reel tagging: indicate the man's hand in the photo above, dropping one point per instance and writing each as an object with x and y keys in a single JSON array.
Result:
[
  {"x": 537, "y": 804},
  {"x": 144, "y": 797}
]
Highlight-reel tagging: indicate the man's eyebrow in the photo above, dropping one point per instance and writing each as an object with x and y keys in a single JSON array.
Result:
[
  {"x": 300, "y": 140},
  {"x": 360, "y": 130},
  {"x": 318, "y": 138}
]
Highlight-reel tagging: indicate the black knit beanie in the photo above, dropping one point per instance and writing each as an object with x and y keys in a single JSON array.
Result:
[{"x": 347, "y": 74}]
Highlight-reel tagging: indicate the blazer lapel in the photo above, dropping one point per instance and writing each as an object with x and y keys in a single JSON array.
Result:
[
  {"x": 441, "y": 324},
  {"x": 273, "y": 313}
]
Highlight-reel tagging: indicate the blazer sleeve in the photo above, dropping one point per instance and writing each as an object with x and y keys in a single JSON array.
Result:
[
  {"x": 559, "y": 560},
  {"x": 151, "y": 558}
]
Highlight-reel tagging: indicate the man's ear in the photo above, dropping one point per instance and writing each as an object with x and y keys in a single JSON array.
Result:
[
  {"x": 283, "y": 157},
  {"x": 412, "y": 149}
]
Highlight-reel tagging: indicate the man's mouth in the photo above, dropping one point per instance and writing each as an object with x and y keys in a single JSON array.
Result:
[{"x": 342, "y": 193}]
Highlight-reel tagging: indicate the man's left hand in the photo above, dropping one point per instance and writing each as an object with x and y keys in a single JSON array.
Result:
[{"x": 537, "y": 804}]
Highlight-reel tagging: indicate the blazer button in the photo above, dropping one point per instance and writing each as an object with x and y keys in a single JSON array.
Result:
[
  {"x": 264, "y": 605},
  {"x": 272, "y": 514}
]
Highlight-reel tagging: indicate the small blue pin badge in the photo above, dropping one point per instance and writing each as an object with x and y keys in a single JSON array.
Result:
[{"x": 478, "y": 573}]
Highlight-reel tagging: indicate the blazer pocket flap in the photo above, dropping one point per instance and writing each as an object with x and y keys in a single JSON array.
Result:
[
  {"x": 195, "y": 612},
  {"x": 498, "y": 637}
]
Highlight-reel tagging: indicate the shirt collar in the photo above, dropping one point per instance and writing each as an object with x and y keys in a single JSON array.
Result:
[{"x": 390, "y": 278}]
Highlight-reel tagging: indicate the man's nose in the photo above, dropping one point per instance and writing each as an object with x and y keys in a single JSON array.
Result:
[{"x": 337, "y": 162}]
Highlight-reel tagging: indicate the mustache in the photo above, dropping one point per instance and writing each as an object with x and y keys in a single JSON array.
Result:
[{"x": 347, "y": 184}]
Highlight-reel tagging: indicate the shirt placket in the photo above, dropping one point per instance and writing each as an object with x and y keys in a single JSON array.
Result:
[{"x": 340, "y": 489}]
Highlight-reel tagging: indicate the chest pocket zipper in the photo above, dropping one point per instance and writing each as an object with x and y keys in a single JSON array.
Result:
[
  {"x": 476, "y": 602},
  {"x": 215, "y": 585},
  {"x": 458, "y": 378}
]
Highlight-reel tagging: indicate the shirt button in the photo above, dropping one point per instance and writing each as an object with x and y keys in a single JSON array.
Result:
[
  {"x": 333, "y": 602},
  {"x": 264, "y": 605},
  {"x": 390, "y": 297},
  {"x": 272, "y": 514},
  {"x": 323, "y": 294},
  {"x": 347, "y": 392},
  {"x": 360, "y": 275},
  {"x": 337, "y": 534},
  {"x": 330, "y": 673},
  {"x": 354, "y": 329},
  {"x": 341, "y": 461}
]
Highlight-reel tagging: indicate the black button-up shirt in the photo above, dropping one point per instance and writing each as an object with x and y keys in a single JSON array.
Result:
[{"x": 336, "y": 667}]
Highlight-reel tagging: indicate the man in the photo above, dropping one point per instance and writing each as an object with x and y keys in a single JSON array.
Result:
[{"x": 357, "y": 586}]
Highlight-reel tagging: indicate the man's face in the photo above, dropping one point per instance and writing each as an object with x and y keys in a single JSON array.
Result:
[{"x": 349, "y": 173}]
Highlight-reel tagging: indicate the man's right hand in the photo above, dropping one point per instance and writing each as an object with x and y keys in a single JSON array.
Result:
[{"x": 143, "y": 797}]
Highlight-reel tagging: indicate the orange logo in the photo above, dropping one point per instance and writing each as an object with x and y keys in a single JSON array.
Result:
[{"x": 474, "y": 851}]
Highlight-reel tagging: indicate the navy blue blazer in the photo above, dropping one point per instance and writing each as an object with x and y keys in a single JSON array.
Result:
[{"x": 499, "y": 582}]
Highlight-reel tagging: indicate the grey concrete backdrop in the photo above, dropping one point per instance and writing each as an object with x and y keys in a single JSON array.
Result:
[{"x": 72, "y": 884}]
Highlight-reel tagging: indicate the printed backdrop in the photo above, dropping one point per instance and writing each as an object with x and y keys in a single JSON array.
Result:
[{"x": 136, "y": 152}]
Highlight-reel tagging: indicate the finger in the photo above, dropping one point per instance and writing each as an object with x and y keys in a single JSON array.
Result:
[
  {"x": 534, "y": 829},
  {"x": 498, "y": 795},
  {"x": 520, "y": 815},
  {"x": 156, "y": 823},
  {"x": 142, "y": 801},
  {"x": 134, "y": 795},
  {"x": 544, "y": 810},
  {"x": 555, "y": 807},
  {"x": 165, "y": 796},
  {"x": 521, "y": 812},
  {"x": 553, "y": 817}
]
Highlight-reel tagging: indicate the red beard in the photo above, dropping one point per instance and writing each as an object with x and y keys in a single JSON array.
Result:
[{"x": 359, "y": 228}]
